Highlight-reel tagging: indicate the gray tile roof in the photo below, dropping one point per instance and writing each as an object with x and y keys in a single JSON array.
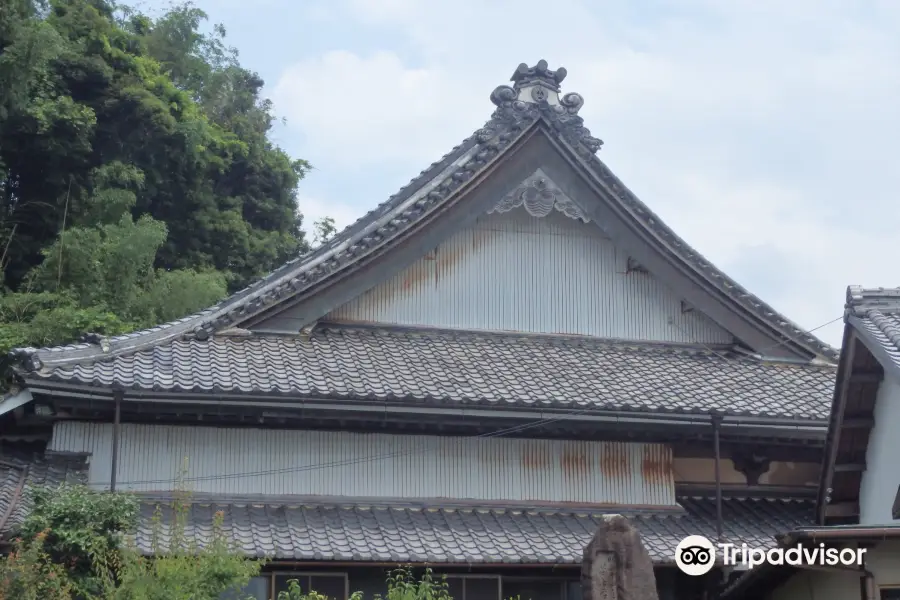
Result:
[
  {"x": 367, "y": 363},
  {"x": 20, "y": 472},
  {"x": 416, "y": 534},
  {"x": 389, "y": 222},
  {"x": 875, "y": 313}
]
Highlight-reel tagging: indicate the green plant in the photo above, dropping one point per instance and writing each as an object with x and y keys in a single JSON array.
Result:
[
  {"x": 79, "y": 543},
  {"x": 402, "y": 584},
  {"x": 28, "y": 573},
  {"x": 295, "y": 593}
]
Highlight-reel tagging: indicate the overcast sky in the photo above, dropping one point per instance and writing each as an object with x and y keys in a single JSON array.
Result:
[{"x": 764, "y": 132}]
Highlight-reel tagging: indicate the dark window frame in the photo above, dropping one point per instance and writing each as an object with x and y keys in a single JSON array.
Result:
[
  {"x": 464, "y": 576},
  {"x": 563, "y": 584},
  {"x": 309, "y": 574}
]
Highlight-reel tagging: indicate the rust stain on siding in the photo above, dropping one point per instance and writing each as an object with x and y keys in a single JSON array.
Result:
[
  {"x": 576, "y": 461},
  {"x": 614, "y": 461},
  {"x": 448, "y": 257},
  {"x": 482, "y": 235},
  {"x": 413, "y": 276},
  {"x": 536, "y": 455},
  {"x": 656, "y": 466}
]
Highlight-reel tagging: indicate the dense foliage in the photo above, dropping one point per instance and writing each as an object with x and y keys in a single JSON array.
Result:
[{"x": 137, "y": 179}]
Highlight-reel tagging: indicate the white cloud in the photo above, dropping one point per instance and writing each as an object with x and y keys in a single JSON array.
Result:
[
  {"x": 356, "y": 110},
  {"x": 758, "y": 129},
  {"x": 313, "y": 209}
]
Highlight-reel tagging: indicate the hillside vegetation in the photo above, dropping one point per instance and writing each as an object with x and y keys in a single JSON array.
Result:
[{"x": 137, "y": 179}]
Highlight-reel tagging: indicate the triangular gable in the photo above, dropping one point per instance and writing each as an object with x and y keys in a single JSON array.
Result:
[
  {"x": 533, "y": 127},
  {"x": 532, "y": 264}
]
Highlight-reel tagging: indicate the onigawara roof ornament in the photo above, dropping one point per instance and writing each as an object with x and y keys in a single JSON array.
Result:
[
  {"x": 534, "y": 93},
  {"x": 539, "y": 81}
]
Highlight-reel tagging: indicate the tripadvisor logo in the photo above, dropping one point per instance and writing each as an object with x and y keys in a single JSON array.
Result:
[{"x": 696, "y": 555}]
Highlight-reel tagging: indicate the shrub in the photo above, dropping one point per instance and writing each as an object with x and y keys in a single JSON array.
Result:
[{"x": 79, "y": 543}]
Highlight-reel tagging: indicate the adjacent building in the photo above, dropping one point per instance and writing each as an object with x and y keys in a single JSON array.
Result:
[
  {"x": 467, "y": 377},
  {"x": 857, "y": 502}
]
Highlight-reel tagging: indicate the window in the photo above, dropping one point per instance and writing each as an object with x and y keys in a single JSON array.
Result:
[
  {"x": 257, "y": 588},
  {"x": 573, "y": 590},
  {"x": 332, "y": 585},
  {"x": 473, "y": 587},
  {"x": 534, "y": 589},
  {"x": 890, "y": 593}
]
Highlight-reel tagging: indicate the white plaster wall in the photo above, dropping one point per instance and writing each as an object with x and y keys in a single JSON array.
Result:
[
  {"x": 882, "y": 475},
  {"x": 883, "y": 561},
  {"x": 818, "y": 585}
]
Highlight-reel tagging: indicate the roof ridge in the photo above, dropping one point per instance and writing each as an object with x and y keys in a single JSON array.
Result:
[
  {"x": 722, "y": 352},
  {"x": 719, "y": 353},
  {"x": 449, "y": 504},
  {"x": 572, "y": 338},
  {"x": 860, "y": 300}
]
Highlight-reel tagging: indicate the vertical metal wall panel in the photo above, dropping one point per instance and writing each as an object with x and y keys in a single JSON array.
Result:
[
  {"x": 257, "y": 461},
  {"x": 515, "y": 272}
]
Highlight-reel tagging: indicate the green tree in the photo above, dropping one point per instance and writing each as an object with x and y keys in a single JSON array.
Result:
[
  {"x": 323, "y": 229},
  {"x": 102, "y": 279},
  {"x": 249, "y": 221},
  {"x": 138, "y": 182}
]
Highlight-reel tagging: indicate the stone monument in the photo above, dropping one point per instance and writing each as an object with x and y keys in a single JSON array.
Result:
[{"x": 616, "y": 565}]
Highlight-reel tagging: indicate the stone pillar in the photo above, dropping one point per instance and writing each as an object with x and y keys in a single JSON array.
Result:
[{"x": 616, "y": 565}]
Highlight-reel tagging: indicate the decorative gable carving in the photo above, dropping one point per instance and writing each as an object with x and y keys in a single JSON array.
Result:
[{"x": 539, "y": 196}]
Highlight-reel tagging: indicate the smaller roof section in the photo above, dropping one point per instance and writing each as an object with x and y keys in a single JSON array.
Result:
[
  {"x": 22, "y": 471},
  {"x": 870, "y": 352},
  {"x": 875, "y": 314},
  {"x": 479, "y": 535}
]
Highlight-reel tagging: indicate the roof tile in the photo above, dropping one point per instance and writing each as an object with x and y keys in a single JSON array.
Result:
[
  {"x": 20, "y": 472},
  {"x": 471, "y": 536},
  {"x": 876, "y": 315},
  {"x": 366, "y": 363}
]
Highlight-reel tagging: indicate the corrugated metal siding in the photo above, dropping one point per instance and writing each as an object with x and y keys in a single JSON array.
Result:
[
  {"x": 515, "y": 272},
  {"x": 256, "y": 461}
]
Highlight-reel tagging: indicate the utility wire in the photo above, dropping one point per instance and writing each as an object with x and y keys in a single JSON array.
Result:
[
  {"x": 425, "y": 450},
  {"x": 751, "y": 359},
  {"x": 350, "y": 462},
  {"x": 766, "y": 348}
]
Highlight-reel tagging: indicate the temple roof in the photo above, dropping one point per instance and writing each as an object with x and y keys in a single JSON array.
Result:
[{"x": 532, "y": 105}]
